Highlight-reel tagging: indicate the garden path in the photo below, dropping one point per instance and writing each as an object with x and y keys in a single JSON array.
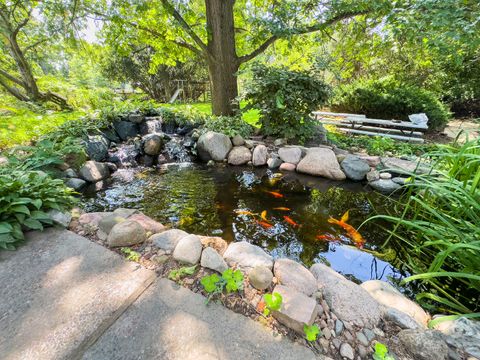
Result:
[{"x": 64, "y": 297}]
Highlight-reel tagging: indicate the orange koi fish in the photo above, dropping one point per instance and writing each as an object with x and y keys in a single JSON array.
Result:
[
  {"x": 290, "y": 221},
  {"x": 244, "y": 212},
  {"x": 282, "y": 208},
  {"x": 264, "y": 224},
  {"x": 275, "y": 194},
  {"x": 263, "y": 215},
  {"x": 351, "y": 231},
  {"x": 327, "y": 237}
]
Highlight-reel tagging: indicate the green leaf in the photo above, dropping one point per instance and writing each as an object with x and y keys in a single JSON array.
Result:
[
  {"x": 33, "y": 224},
  {"x": 210, "y": 282},
  {"x": 37, "y": 203},
  {"x": 273, "y": 301},
  {"x": 311, "y": 332},
  {"x": 21, "y": 209},
  {"x": 5, "y": 228}
]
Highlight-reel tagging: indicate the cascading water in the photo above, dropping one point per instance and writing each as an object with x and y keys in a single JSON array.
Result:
[{"x": 177, "y": 149}]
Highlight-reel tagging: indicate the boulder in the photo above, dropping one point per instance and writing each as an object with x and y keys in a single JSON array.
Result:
[
  {"x": 424, "y": 344},
  {"x": 111, "y": 135},
  {"x": 321, "y": 162},
  {"x": 384, "y": 186},
  {"x": 463, "y": 334},
  {"x": 347, "y": 300},
  {"x": 260, "y": 277},
  {"x": 259, "y": 157},
  {"x": 214, "y": 242},
  {"x": 188, "y": 250},
  {"x": 246, "y": 255},
  {"x": 389, "y": 297},
  {"x": 151, "y": 226},
  {"x": 168, "y": 240},
  {"x": 401, "y": 319},
  {"x": 213, "y": 146},
  {"x": 124, "y": 212},
  {"x": 125, "y": 129},
  {"x": 60, "y": 218},
  {"x": 126, "y": 233},
  {"x": 76, "y": 184},
  {"x": 152, "y": 144},
  {"x": 355, "y": 168},
  {"x": 294, "y": 275},
  {"x": 249, "y": 144},
  {"x": 291, "y": 155},
  {"x": 274, "y": 162},
  {"x": 70, "y": 174},
  {"x": 297, "y": 309},
  {"x": 151, "y": 126},
  {"x": 213, "y": 260},
  {"x": 287, "y": 167},
  {"x": 96, "y": 147},
  {"x": 92, "y": 219},
  {"x": 93, "y": 171},
  {"x": 108, "y": 222},
  {"x": 401, "y": 166},
  {"x": 135, "y": 118},
  {"x": 238, "y": 140},
  {"x": 240, "y": 155}
]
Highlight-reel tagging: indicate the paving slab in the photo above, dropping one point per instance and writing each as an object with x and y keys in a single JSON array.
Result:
[
  {"x": 59, "y": 292},
  {"x": 170, "y": 322}
]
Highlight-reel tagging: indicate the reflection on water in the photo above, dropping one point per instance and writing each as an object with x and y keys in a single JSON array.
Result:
[{"x": 206, "y": 201}]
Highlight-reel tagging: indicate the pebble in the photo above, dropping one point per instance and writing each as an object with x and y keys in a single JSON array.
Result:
[
  {"x": 385, "y": 175},
  {"x": 336, "y": 343},
  {"x": 348, "y": 325},
  {"x": 362, "y": 351},
  {"x": 369, "y": 334},
  {"x": 347, "y": 351},
  {"x": 325, "y": 306},
  {"x": 331, "y": 324},
  {"x": 323, "y": 324},
  {"x": 326, "y": 333},
  {"x": 378, "y": 332},
  {"x": 348, "y": 336},
  {"x": 362, "y": 338},
  {"x": 324, "y": 344},
  {"x": 338, "y": 327}
]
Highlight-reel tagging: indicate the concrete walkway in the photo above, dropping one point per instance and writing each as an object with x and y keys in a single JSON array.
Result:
[{"x": 64, "y": 297}]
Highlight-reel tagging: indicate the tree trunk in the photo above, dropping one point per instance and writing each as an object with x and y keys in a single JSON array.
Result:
[{"x": 222, "y": 60}]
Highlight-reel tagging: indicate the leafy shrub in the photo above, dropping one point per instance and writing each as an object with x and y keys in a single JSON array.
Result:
[
  {"x": 214, "y": 284},
  {"x": 311, "y": 332},
  {"x": 388, "y": 99},
  {"x": 25, "y": 197},
  {"x": 272, "y": 302},
  {"x": 178, "y": 274},
  {"x": 285, "y": 100},
  {"x": 228, "y": 125}
]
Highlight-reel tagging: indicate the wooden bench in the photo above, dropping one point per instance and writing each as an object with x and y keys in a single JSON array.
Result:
[{"x": 360, "y": 124}]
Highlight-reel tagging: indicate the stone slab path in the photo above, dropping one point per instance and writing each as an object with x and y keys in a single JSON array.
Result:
[{"x": 65, "y": 297}]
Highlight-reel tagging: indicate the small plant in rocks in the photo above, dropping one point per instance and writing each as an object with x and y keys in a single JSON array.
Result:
[
  {"x": 131, "y": 254},
  {"x": 178, "y": 274},
  {"x": 272, "y": 302},
  {"x": 229, "y": 280},
  {"x": 381, "y": 352},
  {"x": 311, "y": 332}
]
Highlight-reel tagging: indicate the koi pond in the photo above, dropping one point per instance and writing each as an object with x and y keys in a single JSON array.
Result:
[{"x": 286, "y": 214}]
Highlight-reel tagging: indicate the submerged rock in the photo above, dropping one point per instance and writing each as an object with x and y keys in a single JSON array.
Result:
[
  {"x": 321, "y": 162},
  {"x": 355, "y": 168},
  {"x": 240, "y": 155},
  {"x": 246, "y": 255},
  {"x": 213, "y": 146}
]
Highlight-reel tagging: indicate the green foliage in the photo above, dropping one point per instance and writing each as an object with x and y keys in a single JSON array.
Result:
[
  {"x": 389, "y": 99},
  {"x": 285, "y": 100},
  {"x": 25, "y": 197},
  {"x": 178, "y": 274},
  {"x": 131, "y": 254},
  {"x": 272, "y": 302},
  {"x": 230, "y": 280},
  {"x": 381, "y": 352},
  {"x": 439, "y": 232},
  {"x": 228, "y": 125},
  {"x": 311, "y": 332}
]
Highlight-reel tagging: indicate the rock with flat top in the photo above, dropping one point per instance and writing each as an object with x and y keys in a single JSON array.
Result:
[
  {"x": 291, "y": 155},
  {"x": 386, "y": 186},
  {"x": 401, "y": 166},
  {"x": 295, "y": 276},
  {"x": 168, "y": 240},
  {"x": 321, "y": 162},
  {"x": 355, "y": 168},
  {"x": 246, "y": 255},
  {"x": 188, "y": 250},
  {"x": 297, "y": 309}
]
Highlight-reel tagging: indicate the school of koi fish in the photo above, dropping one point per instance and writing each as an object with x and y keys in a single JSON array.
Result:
[{"x": 263, "y": 221}]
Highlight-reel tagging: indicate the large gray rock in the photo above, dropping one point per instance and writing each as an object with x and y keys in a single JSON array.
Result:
[
  {"x": 76, "y": 184},
  {"x": 297, "y": 309},
  {"x": 291, "y": 155},
  {"x": 355, "y": 168},
  {"x": 150, "y": 330},
  {"x": 390, "y": 297},
  {"x": 260, "y": 277},
  {"x": 151, "y": 226},
  {"x": 424, "y": 344},
  {"x": 96, "y": 147},
  {"x": 240, "y": 155},
  {"x": 188, "y": 250},
  {"x": 401, "y": 166},
  {"x": 213, "y": 146},
  {"x": 67, "y": 291},
  {"x": 60, "y": 218},
  {"x": 168, "y": 240},
  {"x": 463, "y": 334},
  {"x": 108, "y": 222},
  {"x": 295, "y": 276},
  {"x": 321, "y": 162},
  {"x": 401, "y": 319},
  {"x": 93, "y": 171},
  {"x": 238, "y": 140},
  {"x": 347, "y": 300},
  {"x": 125, "y": 129},
  {"x": 259, "y": 157},
  {"x": 384, "y": 186},
  {"x": 211, "y": 259},
  {"x": 126, "y": 233},
  {"x": 246, "y": 255},
  {"x": 152, "y": 144},
  {"x": 92, "y": 219}
]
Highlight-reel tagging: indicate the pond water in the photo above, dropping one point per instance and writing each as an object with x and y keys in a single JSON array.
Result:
[{"x": 229, "y": 201}]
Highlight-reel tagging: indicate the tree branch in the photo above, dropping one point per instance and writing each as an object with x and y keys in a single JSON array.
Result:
[
  {"x": 299, "y": 31},
  {"x": 13, "y": 91},
  {"x": 169, "y": 7},
  {"x": 12, "y": 78}
]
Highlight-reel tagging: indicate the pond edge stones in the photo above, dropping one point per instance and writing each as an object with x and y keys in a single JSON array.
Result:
[
  {"x": 294, "y": 275},
  {"x": 188, "y": 250},
  {"x": 126, "y": 233},
  {"x": 168, "y": 240},
  {"x": 246, "y": 256},
  {"x": 213, "y": 146}
]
